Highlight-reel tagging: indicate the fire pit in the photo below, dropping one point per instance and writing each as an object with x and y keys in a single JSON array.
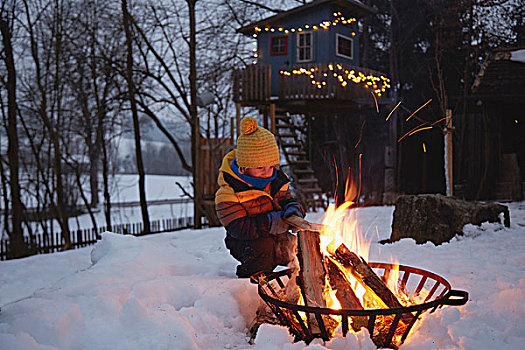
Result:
[{"x": 388, "y": 327}]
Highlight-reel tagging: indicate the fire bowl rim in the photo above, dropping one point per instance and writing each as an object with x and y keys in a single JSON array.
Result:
[{"x": 448, "y": 296}]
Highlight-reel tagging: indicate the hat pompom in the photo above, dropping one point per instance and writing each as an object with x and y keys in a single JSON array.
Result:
[{"x": 248, "y": 125}]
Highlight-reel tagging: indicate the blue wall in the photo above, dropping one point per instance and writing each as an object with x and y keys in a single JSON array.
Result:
[{"x": 324, "y": 41}]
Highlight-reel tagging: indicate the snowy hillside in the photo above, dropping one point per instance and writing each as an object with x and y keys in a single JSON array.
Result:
[{"x": 179, "y": 291}]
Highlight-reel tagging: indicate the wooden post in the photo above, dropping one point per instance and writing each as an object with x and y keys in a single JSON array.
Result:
[
  {"x": 447, "y": 131},
  {"x": 238, "y": 118},
  {"x": 272, "y": 117},
  {"x": 265, "y": 116},
  {"x": 232, "y": 131}
]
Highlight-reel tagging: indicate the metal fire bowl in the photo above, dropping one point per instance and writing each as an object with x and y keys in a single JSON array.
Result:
[{"x": 383, "y": 325}]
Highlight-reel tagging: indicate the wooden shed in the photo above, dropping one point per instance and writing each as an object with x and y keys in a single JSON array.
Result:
[{"x": 490, "y": 151}]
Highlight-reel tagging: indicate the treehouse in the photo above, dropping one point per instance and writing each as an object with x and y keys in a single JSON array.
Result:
[{"x": 311, "y": 91}]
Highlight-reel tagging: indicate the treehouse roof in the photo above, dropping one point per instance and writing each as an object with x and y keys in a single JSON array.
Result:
[{"x": 357, "y": 8}]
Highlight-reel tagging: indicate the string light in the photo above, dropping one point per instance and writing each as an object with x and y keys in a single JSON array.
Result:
[
  {"x": 344, "y": 76},
  {"x": 339, "y": 19}
]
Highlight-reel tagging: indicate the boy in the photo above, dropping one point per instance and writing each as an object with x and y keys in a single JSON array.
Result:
[{"x": 252, "y": 200}]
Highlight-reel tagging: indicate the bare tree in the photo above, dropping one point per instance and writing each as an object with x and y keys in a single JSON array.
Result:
[
  {"x": 134, "y": 112},
  {"x": 45, "y": 31},
  {"x": 17, "y": 245}
]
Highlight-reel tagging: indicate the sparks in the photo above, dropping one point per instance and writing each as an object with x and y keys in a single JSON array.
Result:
[
  {"x": 360, "y": 134},
  {"x": 392, "y": 111},
  {"x": 359, "y": 190},
  {"x": 425, "y": 128},
  {"x": 336, "y": 180},
  {"x": 417, "y": 110},
  {"x": 424, "y": 148},
  {"x": 375, "y": 100},
  {"x": 417, "y": 127},
  {"x": 437, "y": 121}
]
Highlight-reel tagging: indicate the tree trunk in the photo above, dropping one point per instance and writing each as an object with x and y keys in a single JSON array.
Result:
[
  {"x": 93, "y": 173},
  {"x": 55, "y": 133},
  {"x": 195, "y": 129},
  {"x": 105, "y": 175},
  {"x": 17, "y": 245},
  {"x": 5, "y": 200},
  {"x": 134, "y": 112}
]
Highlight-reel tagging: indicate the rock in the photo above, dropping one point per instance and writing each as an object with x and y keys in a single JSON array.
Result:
[{"x": 436, "y": 218}]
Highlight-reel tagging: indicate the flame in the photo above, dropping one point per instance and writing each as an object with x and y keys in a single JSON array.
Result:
[
  {"x": 392, "y": 281},
  {"x": 392, "y": 278},
  {"x": 331, "y": 300},
  {"x": 342, "y": 224}
]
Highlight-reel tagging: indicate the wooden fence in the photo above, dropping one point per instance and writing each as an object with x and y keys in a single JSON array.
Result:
[{"x": 50, "y": 242}]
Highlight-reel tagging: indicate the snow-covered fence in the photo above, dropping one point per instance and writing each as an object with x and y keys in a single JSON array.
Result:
[{"x": 50, "y": 242}]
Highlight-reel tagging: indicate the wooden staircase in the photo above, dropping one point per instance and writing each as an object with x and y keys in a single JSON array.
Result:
[{"x": 297, "y": 165}]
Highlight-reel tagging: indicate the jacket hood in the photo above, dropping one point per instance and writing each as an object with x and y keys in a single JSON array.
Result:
[{"x": 226, "y": 165}]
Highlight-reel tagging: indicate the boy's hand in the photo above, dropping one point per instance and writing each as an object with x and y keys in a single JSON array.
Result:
[
  {"x": 276, "y": 224},
  {"x": 290, "y": 210}
]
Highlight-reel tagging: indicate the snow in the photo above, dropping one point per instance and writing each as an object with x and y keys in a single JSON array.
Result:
[
  {"x": 518, "y": 56},
  {"x": 179, "y": 291}
]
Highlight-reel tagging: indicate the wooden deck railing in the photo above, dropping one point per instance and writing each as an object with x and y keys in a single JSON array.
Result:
[
  {"x": 252, "y": 85},
  {"x": 303, "y": 86}
]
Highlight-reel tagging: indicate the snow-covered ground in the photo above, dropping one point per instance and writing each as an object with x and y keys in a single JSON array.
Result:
[{"x": 178, "y": 291}]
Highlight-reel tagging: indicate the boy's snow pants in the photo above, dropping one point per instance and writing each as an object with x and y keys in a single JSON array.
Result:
[{"x": 262, "y": 254}]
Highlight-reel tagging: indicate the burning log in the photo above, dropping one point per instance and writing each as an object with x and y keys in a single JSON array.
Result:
[
  {"x": 344, "y": 292},
  {"x": 364, "y": 273},
  {"x": 340, "y": 283},
  {"x": 312, "y": 275},
  {"x": 366, "y": 276}
]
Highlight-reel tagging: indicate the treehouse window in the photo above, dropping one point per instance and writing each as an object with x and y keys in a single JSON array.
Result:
[
  {"x": 304, "y": 47},
  {"x": 279, "y": 46},
  {"x": 345, "y": 46}
]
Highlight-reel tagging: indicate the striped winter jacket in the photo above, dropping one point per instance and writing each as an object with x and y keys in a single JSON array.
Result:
[{"x": 242, "y": 208}]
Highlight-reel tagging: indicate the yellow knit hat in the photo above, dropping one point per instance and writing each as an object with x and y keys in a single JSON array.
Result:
[{"x": 256, "y": 146}]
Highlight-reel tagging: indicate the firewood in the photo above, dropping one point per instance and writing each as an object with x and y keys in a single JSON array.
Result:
[
  {"x": 292, "y": 292},
  {"x": 312, "y": 274},
  {"x": 344, "y": 292},
  {"x": 339, "y": 282},
  {"x": 301, "y": 224},
  {"x": 364, "y": 273}
]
